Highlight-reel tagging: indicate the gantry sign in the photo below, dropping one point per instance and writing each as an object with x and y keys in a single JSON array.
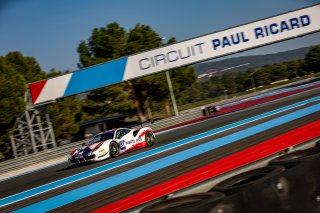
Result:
[{"x": 259, "y": 33}]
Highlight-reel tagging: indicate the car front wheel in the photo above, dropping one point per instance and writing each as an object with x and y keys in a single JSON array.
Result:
[{"x": 114, "y": 149}]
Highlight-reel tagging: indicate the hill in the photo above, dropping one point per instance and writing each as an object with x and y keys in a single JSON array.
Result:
[{"x": 245, "y": 62}]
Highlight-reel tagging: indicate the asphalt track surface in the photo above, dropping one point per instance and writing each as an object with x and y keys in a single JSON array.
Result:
[{"x": 41, "y": 177}]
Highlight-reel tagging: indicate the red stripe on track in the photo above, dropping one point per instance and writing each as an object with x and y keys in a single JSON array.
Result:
[
  {"x": 240, "y": 106},
  {"x": 250, "y": 155}
]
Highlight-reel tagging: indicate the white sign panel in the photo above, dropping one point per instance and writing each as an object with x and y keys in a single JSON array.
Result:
[{"x": 259, "y": 33}]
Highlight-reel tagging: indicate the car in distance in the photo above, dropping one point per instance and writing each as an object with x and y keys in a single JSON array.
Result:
[{"x": 112, "y": 143}]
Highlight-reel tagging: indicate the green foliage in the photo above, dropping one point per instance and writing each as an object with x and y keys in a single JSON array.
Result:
[
  {"x": 151, "y": 92},
  {"x": 65, "y": 116},
  {"x": 229, "y": 83},
  {"x": 15, "y": 71},
  {"x": 12, "y": 89},
  {"x": 295, "y": 68},
  {"x": 142, "y": 38},
  {"x": 182, "y": 78},
  {"x": 105, "y": 44},
  {"x": 235, "y": 82},
  {"x": 256, "y": 61},
  {"x": 53, "y": 73},
  {"x": 12, "y": 104},
  {"x": 108, "y": 101},
  {"x": 26, "y": 66},
  {"x": 312, "y": 59}
]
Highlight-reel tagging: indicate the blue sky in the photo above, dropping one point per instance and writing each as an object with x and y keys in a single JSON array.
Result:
[{"x": 50, "y": 30}]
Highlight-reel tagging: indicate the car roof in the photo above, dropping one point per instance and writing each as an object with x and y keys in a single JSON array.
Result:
[{"x": 113, "y": 130}]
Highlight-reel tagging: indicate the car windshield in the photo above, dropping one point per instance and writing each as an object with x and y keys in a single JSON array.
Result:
[{"x": 102, "y": 137}]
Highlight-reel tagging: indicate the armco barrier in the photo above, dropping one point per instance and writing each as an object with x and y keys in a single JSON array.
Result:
[
  {"x": 36, "y": 160},
  {"x": 59, "y": 154}
]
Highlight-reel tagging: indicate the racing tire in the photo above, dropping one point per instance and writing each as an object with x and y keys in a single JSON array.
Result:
[
  {"x": 294, "y": 158},
  {"x": 149, "y": 138},
  {"x": 194, "y": 203},
  {"x": 114, "y": 149},
  {"x": 242, "y": 181}
]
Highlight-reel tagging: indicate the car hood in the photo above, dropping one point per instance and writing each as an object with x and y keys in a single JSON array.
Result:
[{"x": 86, "y": 147}]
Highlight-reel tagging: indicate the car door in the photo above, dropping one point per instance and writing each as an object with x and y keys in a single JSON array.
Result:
[
  {"x": 129, "y": 140},
  {"x": 119, "y": 136}
]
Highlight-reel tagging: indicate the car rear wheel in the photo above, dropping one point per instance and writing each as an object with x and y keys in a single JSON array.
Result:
[
  {"x": 149, "y": 138},
  {"x": 114, "y": 149}
]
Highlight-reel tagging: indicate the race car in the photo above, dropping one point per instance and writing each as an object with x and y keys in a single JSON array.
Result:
[{"x": 111, "y": 144}]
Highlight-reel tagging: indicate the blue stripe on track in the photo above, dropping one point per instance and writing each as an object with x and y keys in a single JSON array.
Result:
[
  {"x": 93, "y": 188},
  {"x": 222, "y": 106},
  {"x": 86, "y": 174}
]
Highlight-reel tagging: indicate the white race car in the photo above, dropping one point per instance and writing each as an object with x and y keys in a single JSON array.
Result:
[{"x": 111, "y": 144}]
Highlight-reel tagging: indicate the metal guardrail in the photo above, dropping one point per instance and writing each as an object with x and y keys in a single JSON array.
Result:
[
  {"x": 60, "y": 151},
  {"x": 36, "y": 158},
  {"x": 64, "y": 150}
]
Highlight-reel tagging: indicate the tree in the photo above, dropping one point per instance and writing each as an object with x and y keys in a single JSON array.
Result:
[
  {"x": 242, "y": 80},
  {"x": 12, "y": 104},
  {"x": 295, "y": 68},
  {"x": 108, "y": 101},
  {"x": 142, "y": 38},
  {"x": 155, "y": 88},
  {"x": 65, "y": 116},
  {"x": 26, "y": 66},
  {"x": 218, "y": 87},
  {"x": 312, "y": 59},
  {"x": 276, "y": 71},
  {"x": 261, "y": 77},
  {"x": 112, "y": 42},
  {"x": 15, "y": 71},
  {"x": 53, "y": 73},
  {"x": 228, "y": 81},
  {"x": 105, "y": 44},
  {"x": 85, "y": 56}
]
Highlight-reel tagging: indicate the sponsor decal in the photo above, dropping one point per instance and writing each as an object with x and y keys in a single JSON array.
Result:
[
  {"x": 232, "y": 40},
  {"x": 236, "y": 39},
  {"x": 130, "y": 142},
  {"x": 121, "y": 144},
  {"x": 171, "y": 55}
]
